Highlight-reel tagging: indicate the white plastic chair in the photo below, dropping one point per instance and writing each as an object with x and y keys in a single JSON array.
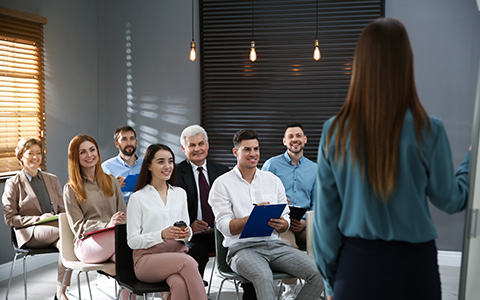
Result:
[{"x": 70, "y": 260}]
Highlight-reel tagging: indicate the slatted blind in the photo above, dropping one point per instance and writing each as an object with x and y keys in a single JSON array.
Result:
[
  {"x": 22, "y": 108},
  {"x": 285, "y": 84}
]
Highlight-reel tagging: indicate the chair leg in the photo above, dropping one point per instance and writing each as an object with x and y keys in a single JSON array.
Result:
[
  {"x": 25, "y": 276},
  {"x": 11, "y": 274},
  {"x": 211, "y": 275},
  {"x": 65, "y": 276},
  {"x": 78, "y": 285},
  {"x": 280, "y": 290},
  {"x": 88, "y": 283},
  {"x": 119, "y": 293},
  {"x": 101, "y": 290},
  {"x": 220, "y": 288},
  {"x": 236, "y": 289}
]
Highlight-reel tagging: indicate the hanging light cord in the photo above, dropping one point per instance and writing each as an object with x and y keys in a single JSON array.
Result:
[
  {"x": 316, "y": 23},
  {"x": 193, "y": 19},
  {"x": 253, "y": 20}
]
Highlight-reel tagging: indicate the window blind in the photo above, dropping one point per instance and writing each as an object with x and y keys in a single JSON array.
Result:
[
  {"x": 285, "y": 84},
  {"x": 22, "y": 97}
]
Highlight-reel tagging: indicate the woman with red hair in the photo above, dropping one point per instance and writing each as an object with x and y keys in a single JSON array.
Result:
[{"x": 93, "y": 201}]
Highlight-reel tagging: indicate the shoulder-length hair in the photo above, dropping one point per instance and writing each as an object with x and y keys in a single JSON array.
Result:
[
  {"x": 25, "y": 144},
  {"x": 382, "y": 88},
  {"x": 146, "y": 175},
  {"x": 75, "y": 179}
]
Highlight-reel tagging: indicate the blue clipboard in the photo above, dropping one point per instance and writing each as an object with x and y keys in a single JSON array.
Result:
[
  {"x": 130, "y": 182},
  {"x": 257, "y": 223}
]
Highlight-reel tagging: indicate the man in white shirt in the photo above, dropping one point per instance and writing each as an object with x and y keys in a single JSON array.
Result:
[{"x": 232, "y": 197}]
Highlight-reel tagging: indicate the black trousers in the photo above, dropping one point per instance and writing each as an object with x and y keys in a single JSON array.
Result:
[
  {"x": 387, "y": 271},
  {"x": 200, "y": 246}
]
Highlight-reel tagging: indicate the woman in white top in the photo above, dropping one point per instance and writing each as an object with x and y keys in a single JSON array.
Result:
[{"x": 159, "y": 250}]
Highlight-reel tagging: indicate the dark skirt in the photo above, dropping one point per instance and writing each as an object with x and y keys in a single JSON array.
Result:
[{"x": 387, "y": 270}]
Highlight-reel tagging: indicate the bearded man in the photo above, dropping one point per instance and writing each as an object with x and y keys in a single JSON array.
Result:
[{"x": 126, "y": 162}]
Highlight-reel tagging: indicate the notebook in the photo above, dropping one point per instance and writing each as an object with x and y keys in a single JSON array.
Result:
[
  {"x": 49, "y": 219},
  {"x": 87, "y": 234},
  {"x": 297, "y": 212}
]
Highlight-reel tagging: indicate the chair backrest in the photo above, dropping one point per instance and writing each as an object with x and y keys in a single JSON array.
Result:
[
  {"x": 66, "y": 239},
  {"x": 123, "y": 256},
  {"x": 221, "y": 252},
  {"x": 309, "y": 228}
]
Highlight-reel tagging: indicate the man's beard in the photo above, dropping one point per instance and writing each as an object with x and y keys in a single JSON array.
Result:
[
  {"x": 129, "y": 150},
  {"x": 296, "y": 152}
]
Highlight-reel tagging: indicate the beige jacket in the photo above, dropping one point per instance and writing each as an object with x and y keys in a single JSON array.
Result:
[
  {"x": 21, "y": 207},
  {"x": 96, "y": 211}
]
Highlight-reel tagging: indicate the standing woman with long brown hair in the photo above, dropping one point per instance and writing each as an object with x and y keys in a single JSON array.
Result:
[
  {"x": 379, "y": 159},
  {"x": 93, "y": 201}
]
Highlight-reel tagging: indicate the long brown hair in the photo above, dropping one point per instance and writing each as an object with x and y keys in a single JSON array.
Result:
[
  {"x": 74, "y": 171},
  {"x": 382, "y": 88},
  {"x": 146, "y": 175}
]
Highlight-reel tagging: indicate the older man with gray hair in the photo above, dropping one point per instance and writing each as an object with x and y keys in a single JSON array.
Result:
[{"x": 195, "y": 175}]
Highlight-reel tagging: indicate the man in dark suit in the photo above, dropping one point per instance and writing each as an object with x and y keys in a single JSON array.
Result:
[{"x": 197, "y": 183}]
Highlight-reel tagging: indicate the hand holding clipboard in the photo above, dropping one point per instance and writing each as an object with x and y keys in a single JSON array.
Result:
[{"x": 257, "y": 223}]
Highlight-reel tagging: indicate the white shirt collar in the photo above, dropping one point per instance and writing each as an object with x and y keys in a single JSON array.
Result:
[
  {"x": 236, "y": 171},
  {"x": 195, "y": 167}
]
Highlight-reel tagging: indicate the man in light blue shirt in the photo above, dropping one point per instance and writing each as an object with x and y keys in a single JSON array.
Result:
[
  {"x": 126, "y": 162},
  {"x": 298, "y": 175}
]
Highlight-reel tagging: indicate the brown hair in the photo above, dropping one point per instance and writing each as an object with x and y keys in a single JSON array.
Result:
[
  {"x": 146, "y": 175},
  {"x": 123, "y": 129},
  {"x": 382, "y": 88},
  {"x": 245, "y": 134},
  {"x": 25, "y": 144},
  {"x": 75, "y": 179}
]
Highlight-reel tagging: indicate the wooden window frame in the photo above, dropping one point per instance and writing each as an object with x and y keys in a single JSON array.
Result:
[{"x": 22, "y": 84}]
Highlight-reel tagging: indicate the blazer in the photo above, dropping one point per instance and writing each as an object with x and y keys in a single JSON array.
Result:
[
  {"x": 186, "y": 181},
  {"x": 21, "y": 207}
]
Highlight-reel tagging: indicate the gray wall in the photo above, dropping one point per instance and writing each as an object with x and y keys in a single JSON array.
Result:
[
  {"x": 445, "y": 39},
  {"x": 90, "y": 88},
  {"x": 145, "y": 77}
]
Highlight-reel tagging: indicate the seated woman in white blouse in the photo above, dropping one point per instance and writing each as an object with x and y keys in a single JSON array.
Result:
[{"x": 159, "y": 252}]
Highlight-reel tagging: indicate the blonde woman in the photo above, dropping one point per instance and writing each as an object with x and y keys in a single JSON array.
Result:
[{"x": 33, "y": 195}]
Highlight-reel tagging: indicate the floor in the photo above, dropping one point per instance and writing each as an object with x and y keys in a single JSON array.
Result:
[{"x": 41, "y": 285}]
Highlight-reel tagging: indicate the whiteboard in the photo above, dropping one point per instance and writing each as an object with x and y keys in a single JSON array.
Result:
[{"x": 469, "y": 288}]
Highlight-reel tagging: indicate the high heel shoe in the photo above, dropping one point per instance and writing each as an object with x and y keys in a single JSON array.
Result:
[{"x": 55, "y": 297}]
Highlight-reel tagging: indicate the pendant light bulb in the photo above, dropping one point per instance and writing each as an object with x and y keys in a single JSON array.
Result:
[
  {"x": 193, "y": 54},
  {"x": 253, "y": 53},
  {"x": 316, "y": 52}
]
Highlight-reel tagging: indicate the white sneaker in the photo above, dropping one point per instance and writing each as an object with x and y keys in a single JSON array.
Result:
[{"x": 289, "y": 292}]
